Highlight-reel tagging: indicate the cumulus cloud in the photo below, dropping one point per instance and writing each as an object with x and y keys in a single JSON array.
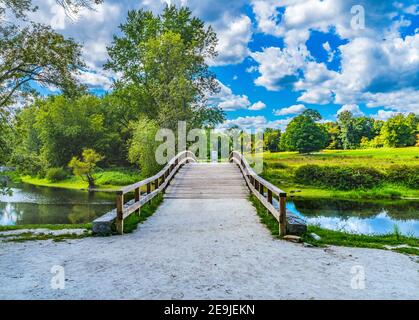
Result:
[
  {"x": 375, "y": 62},
  {"x": 96, "y": 80},
  {"x": 233, "y": 40},
  {"x": 295, "y": 109},
  {"x": 384, "y": 115},
  {"x": 257, "y": 106},
  {"x": 353, "y": 108},
  {"x": 227, "y": 100},
  {"x": 255, "y": 123}
]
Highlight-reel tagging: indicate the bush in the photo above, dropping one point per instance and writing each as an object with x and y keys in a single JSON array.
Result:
[
  {"x": 117, "y": 178},
  {"x": 56, "y": 174},
  {"x": 338, "y": 178},
  {"x": 404, "y": 175}
]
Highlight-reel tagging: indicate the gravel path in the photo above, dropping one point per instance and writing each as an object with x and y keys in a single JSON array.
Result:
[{"x": 202, "y": 249}]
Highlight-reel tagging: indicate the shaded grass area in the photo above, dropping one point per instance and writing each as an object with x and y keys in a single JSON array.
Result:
[
  {"x": 131, "y": 223},
  {"x": 265, "y": 217},
  {"x": 87, "y": 226},
  {"x": 338, "y": 238}
]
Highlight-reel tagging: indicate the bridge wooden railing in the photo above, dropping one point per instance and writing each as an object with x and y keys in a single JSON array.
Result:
[
  {"x": 258, "y": 186},
  {"x": 155, "y": 184}
]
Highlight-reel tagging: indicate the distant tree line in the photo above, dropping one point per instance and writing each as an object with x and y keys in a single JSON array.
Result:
[{"x": 305, "y": 133}]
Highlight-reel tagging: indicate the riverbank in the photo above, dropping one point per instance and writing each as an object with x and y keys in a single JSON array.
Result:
[
  {"x": 280, "y": 169},
  {"x": 109, "y": 179},
  {"x": 393, "y": 241}
]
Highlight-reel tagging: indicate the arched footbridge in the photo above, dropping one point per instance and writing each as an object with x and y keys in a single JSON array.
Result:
[{"x": 186, "y": 178}]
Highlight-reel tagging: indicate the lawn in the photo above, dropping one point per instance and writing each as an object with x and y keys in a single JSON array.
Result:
[
  {"x": 279, "y": 168},
  {"x": 108, "y": 179}
]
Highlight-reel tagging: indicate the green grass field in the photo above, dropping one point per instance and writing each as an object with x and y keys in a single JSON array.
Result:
[
  {"x": 279, "y": 168},
  {"x": 108, "y": 179}
]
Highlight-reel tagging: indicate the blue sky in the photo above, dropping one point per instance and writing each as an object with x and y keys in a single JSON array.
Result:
[{"x": 277, "y": 58}]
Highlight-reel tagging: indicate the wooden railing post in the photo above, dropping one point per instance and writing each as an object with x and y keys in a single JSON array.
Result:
[
  {"x": 261, "y": 189},
  {"x": 149, "y": 188},
  {"x": 269, "y": 196},
  {"x": 282, "y": 214},
  {"x": 120, "y": 214},
  {"x": 137, "y": 199}
]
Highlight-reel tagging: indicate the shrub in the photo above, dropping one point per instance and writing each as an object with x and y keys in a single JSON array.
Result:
[
  {"x": 56, "y": 174},
  {"x": 117, "y": 178},
  {"x": 278, "y": 165},
  {"x": 404, "y": 175},
  {"x": 338, "y": 178}
]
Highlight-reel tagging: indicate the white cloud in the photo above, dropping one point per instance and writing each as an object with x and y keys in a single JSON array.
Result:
[
  {"x": 295, "y": 109},
  {"x": 384, "y": 115},
  {"x": 404, "y": 100},
  {"x": 227, "y": 100},
  {"x": 257, "y": 106},
  {"x": 353, "y": 108},
  {"x": 233, "y": 40},
  {"x": 276, "y": 65},
  {"x": 98, "y": 80},
  {"x": 255, "y": 123},
  {"x": 330, "y": 52}
]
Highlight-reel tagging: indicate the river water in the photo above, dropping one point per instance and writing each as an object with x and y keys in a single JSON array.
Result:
[{"x": 40, "y": 205}]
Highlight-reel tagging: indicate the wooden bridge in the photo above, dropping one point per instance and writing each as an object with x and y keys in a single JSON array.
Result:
[{"x": 185, "y": 178}]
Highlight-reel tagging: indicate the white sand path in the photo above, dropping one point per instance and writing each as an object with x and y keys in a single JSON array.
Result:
[{"x": 201, "y": 249}]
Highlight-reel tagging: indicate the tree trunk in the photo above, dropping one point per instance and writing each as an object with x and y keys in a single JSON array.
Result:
[{"x": 91, "y": 182}]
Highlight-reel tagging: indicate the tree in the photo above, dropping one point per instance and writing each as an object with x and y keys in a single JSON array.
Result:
[
  {"x": 399, "y": 131},
  {"x": 162, "y": 59},
  {"x": 85, "y": 167},
  {"x": 19, "y": 8},
  {"x": 333, "y": 133},
  {"x": 353, "y": 129},
  {"x": 303, "y": 134},
  {"x": 271, "y": 139},
  {"x": 67, "y": 126},
  {"x": 143, "y": 146},
  {"x": 36, "y": 54}
]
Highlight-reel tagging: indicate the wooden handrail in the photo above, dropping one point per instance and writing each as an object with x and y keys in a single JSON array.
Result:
[
  {"x": 160, "y": 181},
  {"x": 257, "y": 186}
]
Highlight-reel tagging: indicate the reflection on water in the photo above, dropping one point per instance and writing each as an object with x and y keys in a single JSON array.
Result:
[
  {"x": 40, "y": 205},
  {"x": 363, "y": 217}
]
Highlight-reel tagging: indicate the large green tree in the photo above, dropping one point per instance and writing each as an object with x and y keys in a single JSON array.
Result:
[
  {"x": 162, "y": 60},
  {"x": 353, "y": 129},
  {"x": 400, "y": 131},
  {"x": 304, "y": 134}
]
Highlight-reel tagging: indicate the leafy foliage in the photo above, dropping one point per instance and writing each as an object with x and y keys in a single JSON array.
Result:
[
  {"x": 271, "y": 139},
  {"x": 56, "y": 174},
  {"x": 342, "y": 178},
  {"x": 36, "y": 53},
  {"x": 162, "y": 59},
  {"x": 400, "y": 131},
  {"x": 143, "y": 146},
  {"x": 303, "y": 134},
  {"x": 85, "y": 167}
]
